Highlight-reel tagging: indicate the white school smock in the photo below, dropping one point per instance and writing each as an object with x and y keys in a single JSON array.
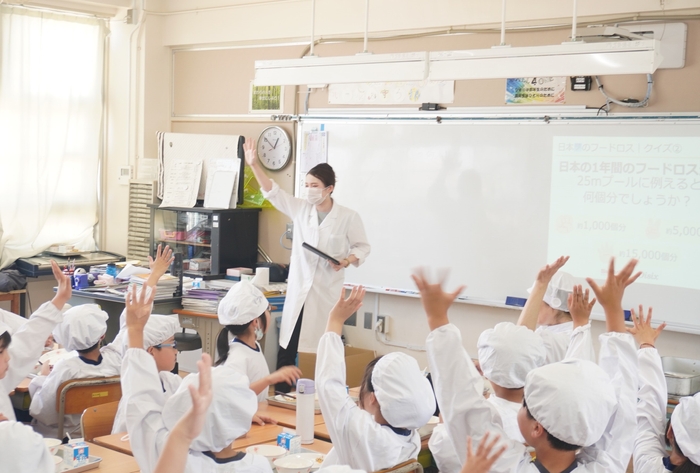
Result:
[
  {"x": 358, "y": 440},
  {"x": 25, "y": 350},
  {"x": 144, "y": 398},
  {"x": 650, "y": 442},
  {"x": 42, "y": 390},
  {"x": 170, "y": 383},
  {"x": 249, "y": 362},
  {"x": 312, "y": 282},
  {"x": 459, "y": 387},
  {"x": 556, "y": 340}
]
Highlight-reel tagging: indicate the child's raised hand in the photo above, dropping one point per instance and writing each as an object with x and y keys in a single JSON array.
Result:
[
  {"x": 250, "y": 150},
  {"x": 643, "y": 333},
  {"x": 345, "y": 307},
  {"x": 482, "y": 460},
  {"x": 164, "y": 258},
  {"x": 138, "y": 307},
  {"x": 435, "y": 300},
  {"x": 64, "y": 291},
  {"x": 610, "y": 294},
  {"x": 546, "y": 273},
  {"x": 579, "y": 307}
]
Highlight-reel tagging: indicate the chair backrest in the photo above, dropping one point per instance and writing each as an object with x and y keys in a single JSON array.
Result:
[
  {"x": 97, "y": 421},
  {"x": 76, "y": 395},
  {"x": 406, "y": 467}
]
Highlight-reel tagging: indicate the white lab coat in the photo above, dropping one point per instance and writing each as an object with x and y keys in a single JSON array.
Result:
[
  {"x": 249, "y": 362},
  {"x": 170, "y": 383},
  {"x": 459, "y": 387},
  {"x": 312, "y": 282},
  {"x": 556, "y": 340},
  {"x": 43, "y": 390},
  {"x": 25, "y": 350},
  {"x": 144, "y": 398},
  {"x": 650, "y": 443},
  {"x": 358, "y": 440}
]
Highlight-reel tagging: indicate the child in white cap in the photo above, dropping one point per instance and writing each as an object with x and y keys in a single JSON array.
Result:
[
  {"x": 159, "y": 342},
  {"x": 577, "y": 415},
  {"x": 81, "y": 332},
  {"x": 395, "y": 400},
  {"x": 245, "y": 313},
  {"x": 22, "y": 450},
  {"x": 150, "y": 418},
  {"x": 21, "y": 349},
  {"x": 654, "y": 434}
]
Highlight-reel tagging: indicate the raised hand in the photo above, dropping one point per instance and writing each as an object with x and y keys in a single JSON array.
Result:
[
  {"x": 548, "y": 271},
  {"x": 482, "y": 460},
  {"x": 643, "y": 333},
  {"x": 435, "y": 300},
  {"x": 65, "y": 290},
  {"x": 579, "y": 307},
  {"x": 610, "y": 294},
  {"x": 344, "y": 308},
  {"x": 251, "y": 153},
  {"x": 138, "y": 307},
  {"x": 160, "y": 265}
]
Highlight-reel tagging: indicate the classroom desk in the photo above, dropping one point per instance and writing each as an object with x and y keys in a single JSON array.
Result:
[
  {"x": 258, "y": 434},
  {"x": 113, "y": 304},
  {"x": 113, "y": 462},
  {"x": 206, "y": 325},
  {"x": 22, "y": 388},
  {"x": 284, "y": 417}
]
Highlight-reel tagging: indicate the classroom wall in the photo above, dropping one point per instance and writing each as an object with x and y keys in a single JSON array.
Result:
[{"x": 211, "y": 72}]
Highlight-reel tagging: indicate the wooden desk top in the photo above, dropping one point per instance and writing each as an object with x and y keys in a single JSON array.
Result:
[
  {"x": 23, "y": 387},
  {"x": 321, "y": 432},
  {"x": 319, "y": 446},
  {"x": 113, "y": 462},
  {"x": 284, "y": 417},
  {"x": 114, "y": 442}
]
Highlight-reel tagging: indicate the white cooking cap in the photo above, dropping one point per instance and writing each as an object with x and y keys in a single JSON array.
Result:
[
  {"x": 82, "y": 327},
  {"x": 10, "y": 322},
  {"x": 405, "y": 397},
  {"x": 508, "y": 352},
  {"x": 158, "y": 329},
  {"x": 22, "y": 450},
  {"x": 685, "y": 421},
  {"x": 572, "y": 399},
  {"x": 558, "y": 290},
  {"x": 229, "y": 415},
  {"x": 243, "y": 303}
]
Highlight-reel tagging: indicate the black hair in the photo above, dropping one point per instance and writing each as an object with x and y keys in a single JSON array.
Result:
[
  {"x": 88, "y": 350},
  {"x": 688, "y": 466},
  {"x": 324, "y": 172},
  {"x": 222, "y": 342},
  {"x": 553, "y": 441},
  {"x": 5, "y": 340},
  {"x": 366, "y": 386}
]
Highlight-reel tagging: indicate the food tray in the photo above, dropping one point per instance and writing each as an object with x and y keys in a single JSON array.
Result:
[
  {"x": 93, "y": 462},
  {"x": 288, "y": 403},
  {"x": 682, "y": 375}
]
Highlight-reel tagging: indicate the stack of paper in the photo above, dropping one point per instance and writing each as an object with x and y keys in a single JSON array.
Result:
[{"x": 203, "y": 300}]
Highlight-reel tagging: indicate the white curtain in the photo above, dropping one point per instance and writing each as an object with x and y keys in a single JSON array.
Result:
[{"x": 51, "y": 104}]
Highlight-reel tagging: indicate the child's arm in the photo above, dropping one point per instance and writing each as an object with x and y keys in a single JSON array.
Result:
[
  {"x": 159, "y": 266},
  {"x": 528, "y": 316},
  {"x": 581, "y": 343}
]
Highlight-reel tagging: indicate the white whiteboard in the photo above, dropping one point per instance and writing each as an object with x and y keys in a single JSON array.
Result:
[{"x": 474, "y": 195}]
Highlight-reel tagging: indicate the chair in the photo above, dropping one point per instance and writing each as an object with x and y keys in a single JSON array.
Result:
[
  {"x": 16, "y": 299},
  {"x": 188, "y": 341},
  {"x": 76, "y": 395},
  {"x": 97, "y": 421},
  {"x": 408, "y": 466}
]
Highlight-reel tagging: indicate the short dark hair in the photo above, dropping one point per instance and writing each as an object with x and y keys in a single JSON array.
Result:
[
  {"x": 222, "y": 340},
  {"x": 323, "y": 172},
  {"x": 88, "y": 350},
  {"x": 553, "y": 441},
  {"x": 688, "y": 466},
  {"x": 366, "y": 386},
  {"x": 5, "y": 340}
]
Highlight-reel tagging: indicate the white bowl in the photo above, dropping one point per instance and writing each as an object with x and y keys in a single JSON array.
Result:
[
  {"x": 52, "y": 445},
  {"x": 427, "y": 429},
  {"x": 316, "y": 457},
  {"x": 271, "y": 452},
  {"x": 295, "y": 463}
]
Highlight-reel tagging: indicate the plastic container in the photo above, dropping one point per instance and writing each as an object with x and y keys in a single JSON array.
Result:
[
  {"x": 682, "y": 375},
  {"x": 306, "y": 395}
]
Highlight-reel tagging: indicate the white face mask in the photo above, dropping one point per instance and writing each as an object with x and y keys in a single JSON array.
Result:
[
  {"x": 259, "y": 334},
  {"x": 313, "y": 195}
]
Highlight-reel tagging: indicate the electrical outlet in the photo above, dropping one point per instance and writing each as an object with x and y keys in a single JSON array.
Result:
[
  {"x": 383, "y": 324},
  {"x": 289, "y": 234},
  {"x": 368, "y": 320}
]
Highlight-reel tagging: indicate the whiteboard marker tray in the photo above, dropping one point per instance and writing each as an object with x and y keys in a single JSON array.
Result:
[{"x": 93, "y": 462}]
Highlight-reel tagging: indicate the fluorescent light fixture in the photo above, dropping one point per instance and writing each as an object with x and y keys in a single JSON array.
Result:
[
  {"x": 364, "y": 67},
  {"x": 566, "y": 59}
]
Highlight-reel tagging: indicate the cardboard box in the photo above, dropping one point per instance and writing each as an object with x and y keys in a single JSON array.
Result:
[{"x": 356, "y": 360}]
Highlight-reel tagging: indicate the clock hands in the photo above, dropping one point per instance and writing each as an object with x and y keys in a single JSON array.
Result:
[
  {"x": 268, "y": 142},
  {"x": 276, "y": 141}
]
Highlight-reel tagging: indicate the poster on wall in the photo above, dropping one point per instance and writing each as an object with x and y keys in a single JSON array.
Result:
[
  {"x": 266, "y": 98},
  {"x": 392, "y": 93},
  {"x": 535, "y": 90}
]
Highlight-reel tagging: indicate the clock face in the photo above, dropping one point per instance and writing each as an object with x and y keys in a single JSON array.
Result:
[{"x": 274, "y": 148}]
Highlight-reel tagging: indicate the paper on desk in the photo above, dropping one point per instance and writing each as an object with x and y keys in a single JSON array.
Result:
[
  {"x": 182, "y": 184},
  {"x": 130, "y": 270},
  {"x": 221, "y": 181}
]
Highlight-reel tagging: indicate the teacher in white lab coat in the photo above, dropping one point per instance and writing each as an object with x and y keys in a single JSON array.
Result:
[{"x": 314, "y": 283}]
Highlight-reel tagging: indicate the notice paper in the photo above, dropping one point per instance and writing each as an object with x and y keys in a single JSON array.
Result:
[
  {"x": 221, "y": 182},
  {"x": 314, "y": 149},
  {"x": 181, "y": 184}
]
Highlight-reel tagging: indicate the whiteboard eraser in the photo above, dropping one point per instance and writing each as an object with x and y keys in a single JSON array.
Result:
[{"x": 516, "y": 301}]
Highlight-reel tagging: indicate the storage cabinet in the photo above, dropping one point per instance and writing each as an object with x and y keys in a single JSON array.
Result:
[{"x": 211, "y": 240}]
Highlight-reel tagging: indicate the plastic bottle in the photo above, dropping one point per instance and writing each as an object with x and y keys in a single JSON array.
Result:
[{"x": 306, "y": 400}]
